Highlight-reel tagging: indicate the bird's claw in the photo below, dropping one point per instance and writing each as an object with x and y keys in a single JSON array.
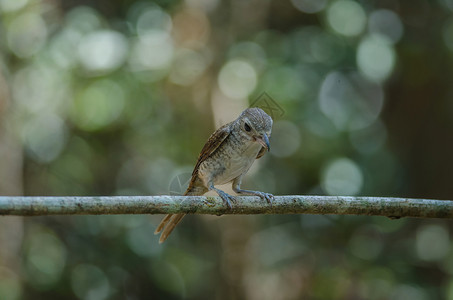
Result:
[
  {"x": 266, "y": 196},
  {"x": 226, "y": 198}
]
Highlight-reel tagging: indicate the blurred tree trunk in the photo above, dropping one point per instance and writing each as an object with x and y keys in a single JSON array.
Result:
[
  {"x": 419, "y": 105},
  {"x": 11, "y": 228}
]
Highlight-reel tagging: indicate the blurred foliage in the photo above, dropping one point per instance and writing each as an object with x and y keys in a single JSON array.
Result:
[{"x": 117, "y": 98}]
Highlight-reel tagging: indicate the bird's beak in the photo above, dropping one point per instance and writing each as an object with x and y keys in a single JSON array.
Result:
[{"x": 264, "y": 141}]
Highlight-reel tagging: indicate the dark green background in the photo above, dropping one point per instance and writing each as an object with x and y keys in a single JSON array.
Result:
[{"x": 118, "y": 97}]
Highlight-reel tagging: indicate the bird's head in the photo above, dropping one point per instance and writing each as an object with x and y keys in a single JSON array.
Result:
[{"x": 256, "y": 126}]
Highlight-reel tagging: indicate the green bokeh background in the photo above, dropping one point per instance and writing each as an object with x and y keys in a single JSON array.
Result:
[{"x": 118, "y": 97}]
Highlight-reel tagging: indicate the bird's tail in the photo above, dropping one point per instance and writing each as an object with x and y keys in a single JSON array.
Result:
[
  {"x": 169, "y": 222},
  {"x": 167, "y": 225}
]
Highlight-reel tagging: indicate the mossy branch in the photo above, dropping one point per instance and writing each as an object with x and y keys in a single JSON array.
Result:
[{"x": 339, "y": 205}]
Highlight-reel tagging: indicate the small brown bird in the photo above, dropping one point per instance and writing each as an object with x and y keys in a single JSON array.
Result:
[{"x": 227, "y": 155}]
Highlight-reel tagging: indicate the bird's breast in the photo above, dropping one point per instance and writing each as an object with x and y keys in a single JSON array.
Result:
[{"x": 237, "y": 162}]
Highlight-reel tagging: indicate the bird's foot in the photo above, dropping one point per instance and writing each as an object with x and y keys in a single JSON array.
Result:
[
  {"x": 265, "y": 196},
  {"x": 226, "y": 198}
]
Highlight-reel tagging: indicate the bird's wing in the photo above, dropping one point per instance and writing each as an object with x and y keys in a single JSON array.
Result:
[
  {"x": 261, "y": 153},
  {"x": 215, "y": 140}
]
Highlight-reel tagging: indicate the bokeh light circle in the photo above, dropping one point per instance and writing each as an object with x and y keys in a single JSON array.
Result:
[
  {"x": 154, "y": 51},
  {"x": 350, "y": 101},
  {"x": 387, "y": 23},
  {"x": 89, "y": 282},
  {"x": 44, "y": 137},
  {"x": 188, "y": 66},
  {"x": 376, "y": 57},
  {"x": 99, "y": 105},
  {"x": 432, "y": 242},
  {"x": 346, "y": 17},
  {"x": 153, "y": 18},
  {"x": 237, "y": 79},
  {"x": 27, "y": 34},
  {"x": 309, "y": 6},
  {"x": 342, "y": 177},
  {"x": 285, "y": 138},
  {"x": 102, "y": 51},
  {"x": 12, "y": 5}
]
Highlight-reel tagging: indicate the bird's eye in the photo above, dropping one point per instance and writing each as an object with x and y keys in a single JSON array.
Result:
[{"x": 247, "y": 127}]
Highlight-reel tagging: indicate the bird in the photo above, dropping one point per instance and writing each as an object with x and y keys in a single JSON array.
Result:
[{"x": 226, "y": 157}]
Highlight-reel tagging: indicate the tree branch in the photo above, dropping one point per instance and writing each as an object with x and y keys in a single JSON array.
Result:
[{"x": 339, "y": 205}]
